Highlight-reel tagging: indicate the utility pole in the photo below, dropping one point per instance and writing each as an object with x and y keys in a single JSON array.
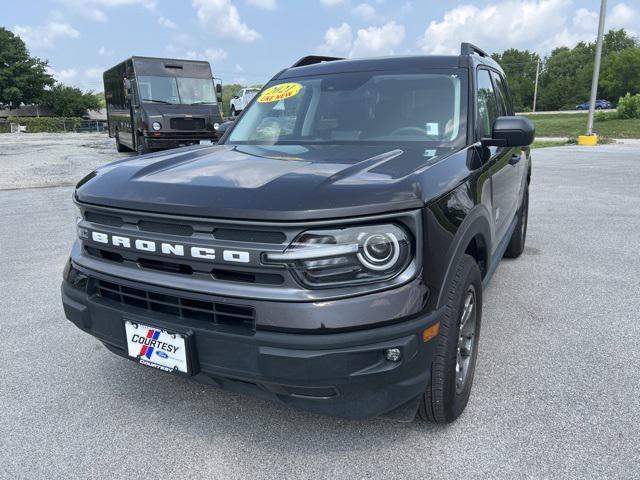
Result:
[
  {"x": 596, "y": 67},
  {"x": 535, "y": 89}
]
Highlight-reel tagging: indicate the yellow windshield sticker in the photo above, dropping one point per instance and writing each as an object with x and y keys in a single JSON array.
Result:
[{"x": 279, "y": 92}]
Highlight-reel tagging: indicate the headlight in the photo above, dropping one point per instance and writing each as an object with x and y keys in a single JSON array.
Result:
[
  {"x": 156, "y": 126},
  {"x": 216, "y": 126},
  {"x": 346, "y": 256},
  {"x": 82, "y": 232}
]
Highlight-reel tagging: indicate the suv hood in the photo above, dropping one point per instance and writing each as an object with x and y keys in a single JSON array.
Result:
[{"x": 290, "y": 182}]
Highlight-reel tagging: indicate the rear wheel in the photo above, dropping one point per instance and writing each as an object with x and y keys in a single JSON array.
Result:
[
  {"x": 519, "y": 235},
  {"x": 233, "y": 111},
  {"x": 453, "y": 367}
]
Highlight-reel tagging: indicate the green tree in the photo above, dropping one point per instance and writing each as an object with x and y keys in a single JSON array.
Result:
[
  {"x": 621, "y": 74},
  {"x": 22, "y": 78},
  {"x": 566, "y": 77},
  {"x": 617, "y": 40},
  {"x": 520, "y": 68},
  {"x": 67, "y": 101}
]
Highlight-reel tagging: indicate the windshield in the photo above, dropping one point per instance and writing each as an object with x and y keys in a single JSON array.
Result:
[
  {"x": 358, "y": 107},
  {"x": 176, "y": 90}
]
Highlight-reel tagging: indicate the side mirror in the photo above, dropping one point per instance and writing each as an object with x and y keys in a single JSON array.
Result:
[
  {"x": 224, "y": 126},
  {"x": 511, "y": 132},
  {"x": 218, "y": 88}
]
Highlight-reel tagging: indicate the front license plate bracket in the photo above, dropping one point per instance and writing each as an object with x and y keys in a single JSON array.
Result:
[{"x": 155, "y": 346}]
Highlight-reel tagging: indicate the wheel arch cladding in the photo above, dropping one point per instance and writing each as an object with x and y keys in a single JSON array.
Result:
[{"x": 472, "y": 237}]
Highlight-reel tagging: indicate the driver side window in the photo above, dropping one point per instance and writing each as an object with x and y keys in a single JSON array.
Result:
[{"x": 487, "y": 106}]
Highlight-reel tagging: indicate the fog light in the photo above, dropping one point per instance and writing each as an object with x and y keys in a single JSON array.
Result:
[{"x": 392, "y": 354}]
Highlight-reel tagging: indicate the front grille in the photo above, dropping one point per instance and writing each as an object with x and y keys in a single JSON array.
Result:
[
  {"x": 187, "y": 123},
  {"x": 254, "y": 239},
  {"x": 221, "y": 316}
]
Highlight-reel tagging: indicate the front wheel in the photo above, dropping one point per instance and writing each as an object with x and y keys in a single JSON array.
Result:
[
  {"x": 454, "y": 363},
  {"x": 120, "y": 147},
  {"x": 141, "y": 145},
  {"x": 233, "y": 111}
]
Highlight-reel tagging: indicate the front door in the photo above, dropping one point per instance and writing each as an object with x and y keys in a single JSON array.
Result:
[{"x": 504, "y": 173}]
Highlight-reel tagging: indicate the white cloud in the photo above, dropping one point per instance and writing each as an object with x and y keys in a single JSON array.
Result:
[
  {"x": 94, "y": 73},
  {"x": 210, "y": 54},
  {"x": 624, "y": 16},
  {"x": 378, "y": 40},
  {"x": 538, "y": 25},
  {"x": 105, "y": 52},
  {"x": 221, "y": 18},
  {"x": 331, "y": 3},
  {"x": 44, "y": 36},
  {"x": 216, "y": 54},
  {"x": 95, "y": 9},
  {"x": 165, "y": 22},
  {"x": 337, "y": 40},
  {"x": 64, "y": 75},
  {"x": 238, "y": 68},
  {"x": 368, "y": 42},
  {"x": 364, "y": 11},
  {"x": 264, "y": 4}
]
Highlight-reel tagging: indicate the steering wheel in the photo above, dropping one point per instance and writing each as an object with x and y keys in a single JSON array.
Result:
[{"x": 397, "y": 131}]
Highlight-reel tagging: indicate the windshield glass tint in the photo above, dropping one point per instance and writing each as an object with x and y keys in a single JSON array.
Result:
[
  {"x": 358, "y": 107},
  {"x": 172, "y": 90}
]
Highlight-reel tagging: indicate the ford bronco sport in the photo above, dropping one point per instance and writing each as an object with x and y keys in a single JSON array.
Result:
[{"x": 330, "y": 252}]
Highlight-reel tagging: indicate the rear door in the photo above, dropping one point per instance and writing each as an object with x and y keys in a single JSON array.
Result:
[{"x": 504, "y": 176}]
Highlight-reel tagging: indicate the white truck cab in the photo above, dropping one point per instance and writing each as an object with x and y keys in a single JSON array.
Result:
[{"x": 241, "y": 100}]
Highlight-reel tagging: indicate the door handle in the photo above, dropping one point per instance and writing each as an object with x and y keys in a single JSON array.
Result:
[{"x": 515, "y": 158}]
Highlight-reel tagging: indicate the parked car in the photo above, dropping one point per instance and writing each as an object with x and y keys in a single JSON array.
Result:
[
  {"x": 331, "y": 253},
  {"x": 241, "y": 100},
  {"x": 600, "y": 105}
]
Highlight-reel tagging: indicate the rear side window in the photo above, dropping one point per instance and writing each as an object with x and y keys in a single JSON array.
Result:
[{"x": 487, "y": 105}]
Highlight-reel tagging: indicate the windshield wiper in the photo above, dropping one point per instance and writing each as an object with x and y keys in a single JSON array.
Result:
[{"x": 157, "y": 101}]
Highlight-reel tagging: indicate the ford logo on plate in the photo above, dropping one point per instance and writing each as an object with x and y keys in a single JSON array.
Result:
[{"x": 161, "y": 354}]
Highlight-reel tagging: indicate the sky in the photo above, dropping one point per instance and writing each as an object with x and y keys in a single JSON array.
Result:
[{"x": 248, "y": 41}]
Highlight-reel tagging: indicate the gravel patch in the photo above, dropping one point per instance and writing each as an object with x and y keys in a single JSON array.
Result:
[{"x": 32, "y": 160}]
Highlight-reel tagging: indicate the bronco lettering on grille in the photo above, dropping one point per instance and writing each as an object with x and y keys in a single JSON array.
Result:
[{"x": 165, "y": 248}]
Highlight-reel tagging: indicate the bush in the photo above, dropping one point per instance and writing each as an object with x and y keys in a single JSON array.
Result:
[
  {"x": 604, "y": 116},
  {"x": 46, "y": 124},
  {"x": 629, "y": 106}
]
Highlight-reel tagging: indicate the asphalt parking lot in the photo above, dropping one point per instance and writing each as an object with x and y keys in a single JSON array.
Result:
[{"x": 557, "y": 388}]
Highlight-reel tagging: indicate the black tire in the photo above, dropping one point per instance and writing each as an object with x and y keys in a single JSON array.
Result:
[
  {"x": 141, "y": 145},
  {"x": 519, "y": 235},
  {"x": 233, "y": 111},
  {"x": 598, "y": 107},
  {"x": 120, "y": 147},
  {"x": 446, "y": 396}
]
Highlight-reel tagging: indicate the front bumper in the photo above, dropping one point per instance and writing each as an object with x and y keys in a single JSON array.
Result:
[
  {"x": 168, "y": 140},
  {"x": 339, "y": 374}
]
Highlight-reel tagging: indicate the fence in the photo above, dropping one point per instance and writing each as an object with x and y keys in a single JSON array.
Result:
[{"x": 51, "y": 125}]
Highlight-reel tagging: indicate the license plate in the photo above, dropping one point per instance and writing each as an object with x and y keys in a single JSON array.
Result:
[
  {"x": 156, "y": 348},
  {"x": 206, "y": 142}
]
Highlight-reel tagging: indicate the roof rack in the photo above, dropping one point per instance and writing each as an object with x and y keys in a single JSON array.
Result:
[
  {"x": 469, "y": 49},
  {"x": 312, "y": 59}
]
